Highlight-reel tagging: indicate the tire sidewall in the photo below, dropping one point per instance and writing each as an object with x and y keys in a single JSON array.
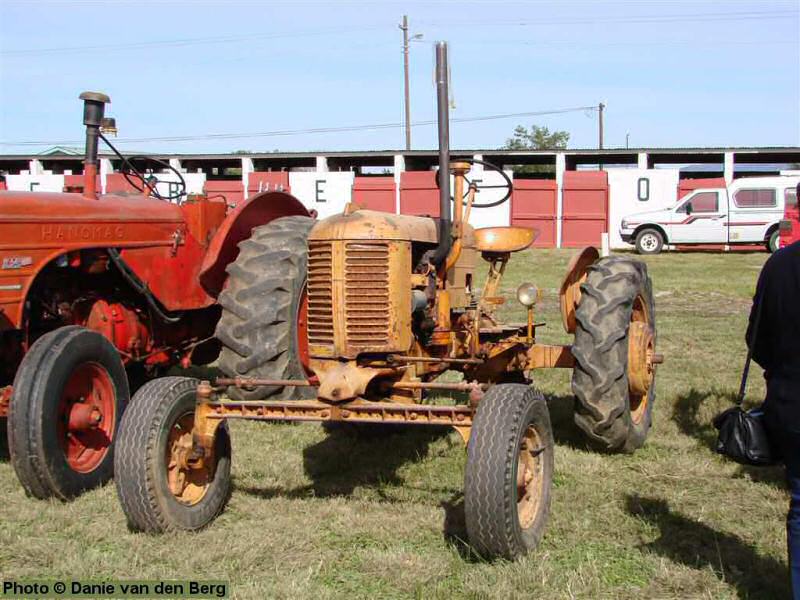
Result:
[
  {"x": 638, "y": 431},
  {"x": 44, "y": 397},
  {"x": 296, "y": 370},
  {"x": 181, "y": 400},
  {"x": 640, "y": 249},
  {"x": 537, "y": 415}
]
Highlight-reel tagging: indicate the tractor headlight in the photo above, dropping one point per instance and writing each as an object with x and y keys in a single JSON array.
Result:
[
  {"x": 624, "y": 224},
  {"x": 528, "y": 294}
]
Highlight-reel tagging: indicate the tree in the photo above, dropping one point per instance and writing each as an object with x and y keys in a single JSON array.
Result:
[{"x": 538, "y": 138}]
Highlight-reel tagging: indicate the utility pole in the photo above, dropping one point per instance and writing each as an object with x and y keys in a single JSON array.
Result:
[
  {"x": 600, "y": 108},
  {"x": 627, "y": 138},
  {"x": 404, "y": 27}
]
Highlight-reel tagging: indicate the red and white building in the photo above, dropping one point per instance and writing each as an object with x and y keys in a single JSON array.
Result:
[{"x": 571, "y": 196}]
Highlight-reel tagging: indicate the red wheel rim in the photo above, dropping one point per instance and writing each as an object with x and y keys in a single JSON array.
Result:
[
  {"x": 302, "y": 332},
  {"x": 86, "y": 417}
]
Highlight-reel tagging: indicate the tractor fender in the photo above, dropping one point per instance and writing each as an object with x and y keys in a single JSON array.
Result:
[
  {"x": 224, "y": 247},
  {"x": 570, "y": 293}
]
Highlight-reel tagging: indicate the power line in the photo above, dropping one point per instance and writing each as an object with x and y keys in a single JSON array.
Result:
[
  {"x": 633, "y": 19},
  {"x": 183, "y": 42},
  {"x": 288, "y": 132},
  {"x": 641, "y": 19},
  {"x": 577, "y": 43}
]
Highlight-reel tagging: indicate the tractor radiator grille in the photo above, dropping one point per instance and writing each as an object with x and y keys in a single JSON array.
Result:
[
  {"x": 367, "y": 294},
  {"x": 320, "y": 293}
]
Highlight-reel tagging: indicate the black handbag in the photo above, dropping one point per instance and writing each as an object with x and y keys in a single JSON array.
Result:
[{"x": 742, "y": 434}]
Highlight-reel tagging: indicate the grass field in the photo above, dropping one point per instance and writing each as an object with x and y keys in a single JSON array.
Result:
[{"x": 318, "y": 516}]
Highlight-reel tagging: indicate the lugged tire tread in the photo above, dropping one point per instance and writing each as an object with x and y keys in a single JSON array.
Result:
[
  {"x": 257, "y": 321},
  {"x": 599, "y": 380}
]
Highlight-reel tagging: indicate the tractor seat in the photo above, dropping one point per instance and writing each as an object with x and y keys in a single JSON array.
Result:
[{"x": 502, "y": 240}]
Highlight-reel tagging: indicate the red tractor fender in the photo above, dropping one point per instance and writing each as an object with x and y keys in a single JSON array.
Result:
[{"x": 224, "y": 247}]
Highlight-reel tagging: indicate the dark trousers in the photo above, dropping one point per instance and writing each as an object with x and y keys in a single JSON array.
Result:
[
  {"x": 784, "y": 429},
  {"x": 788, "y": 444},
  {"x": 793, "y": 532}
]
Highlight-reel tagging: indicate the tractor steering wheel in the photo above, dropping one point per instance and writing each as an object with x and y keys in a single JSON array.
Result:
[
  {"x": 131, "y": 174},
  {"x": 508, "y": 185}
]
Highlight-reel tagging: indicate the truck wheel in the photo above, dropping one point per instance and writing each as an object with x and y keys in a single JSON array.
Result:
[
  {"x": 69, "y": 395},
  {"x": 509, "y": 472},
  {"x": 614, "y": 375},
  {"x": 263, "y": 328},
  {"x": 774, "y": 241},
  {"x": 157, "y": 491},
  {"x": 649, "y": 241}
]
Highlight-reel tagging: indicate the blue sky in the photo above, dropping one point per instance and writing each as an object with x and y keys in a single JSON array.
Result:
[{"x": 671, "y": 73}]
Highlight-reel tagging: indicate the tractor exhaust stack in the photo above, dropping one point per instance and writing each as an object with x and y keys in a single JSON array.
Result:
[
  {"x": 443, "y": 115},
  {"x": 93, "y": 109}
]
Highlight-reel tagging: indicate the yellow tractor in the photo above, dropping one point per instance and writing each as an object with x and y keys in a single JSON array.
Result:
[{"x": 354, "y": 318}]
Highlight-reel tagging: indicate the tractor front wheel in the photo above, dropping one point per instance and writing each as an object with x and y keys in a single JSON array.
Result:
[
  {"x": 158, "y": 487},
  {"x": 509, "y": 472},
  {"x": 614, "y": 349},
  {"x": 69, "y": 395}
]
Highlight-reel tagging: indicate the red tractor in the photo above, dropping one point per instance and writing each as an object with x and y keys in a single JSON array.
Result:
[{"x": 97, "y": 293}]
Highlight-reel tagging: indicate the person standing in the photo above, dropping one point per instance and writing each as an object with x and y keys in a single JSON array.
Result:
[{"x": 776, "y": 348}]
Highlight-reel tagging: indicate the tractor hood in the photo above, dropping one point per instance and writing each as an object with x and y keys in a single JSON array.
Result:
[
  {"x": 362, "y": 224},
  {"x": 358, "y": 224},
  {"x": 42, "y": 207},
  {"x": 38, "y": 227}
]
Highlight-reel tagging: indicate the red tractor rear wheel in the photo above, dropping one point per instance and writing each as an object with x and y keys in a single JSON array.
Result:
[
  {"x": 264, "y": 322},
  {"x": 69, "y": 394}
]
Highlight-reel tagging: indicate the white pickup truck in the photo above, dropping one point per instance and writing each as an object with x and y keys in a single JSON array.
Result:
[{"x": 746, "y": 212}]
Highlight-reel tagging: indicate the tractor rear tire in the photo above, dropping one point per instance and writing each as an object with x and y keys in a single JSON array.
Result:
[
  {"x": 160, "y": 419},
  {"x": 617, "y": 290},
  {"x": 69, "y": 395},
  {"x": 509, "y": 473},
  {"x": 261, "y": 305}
]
